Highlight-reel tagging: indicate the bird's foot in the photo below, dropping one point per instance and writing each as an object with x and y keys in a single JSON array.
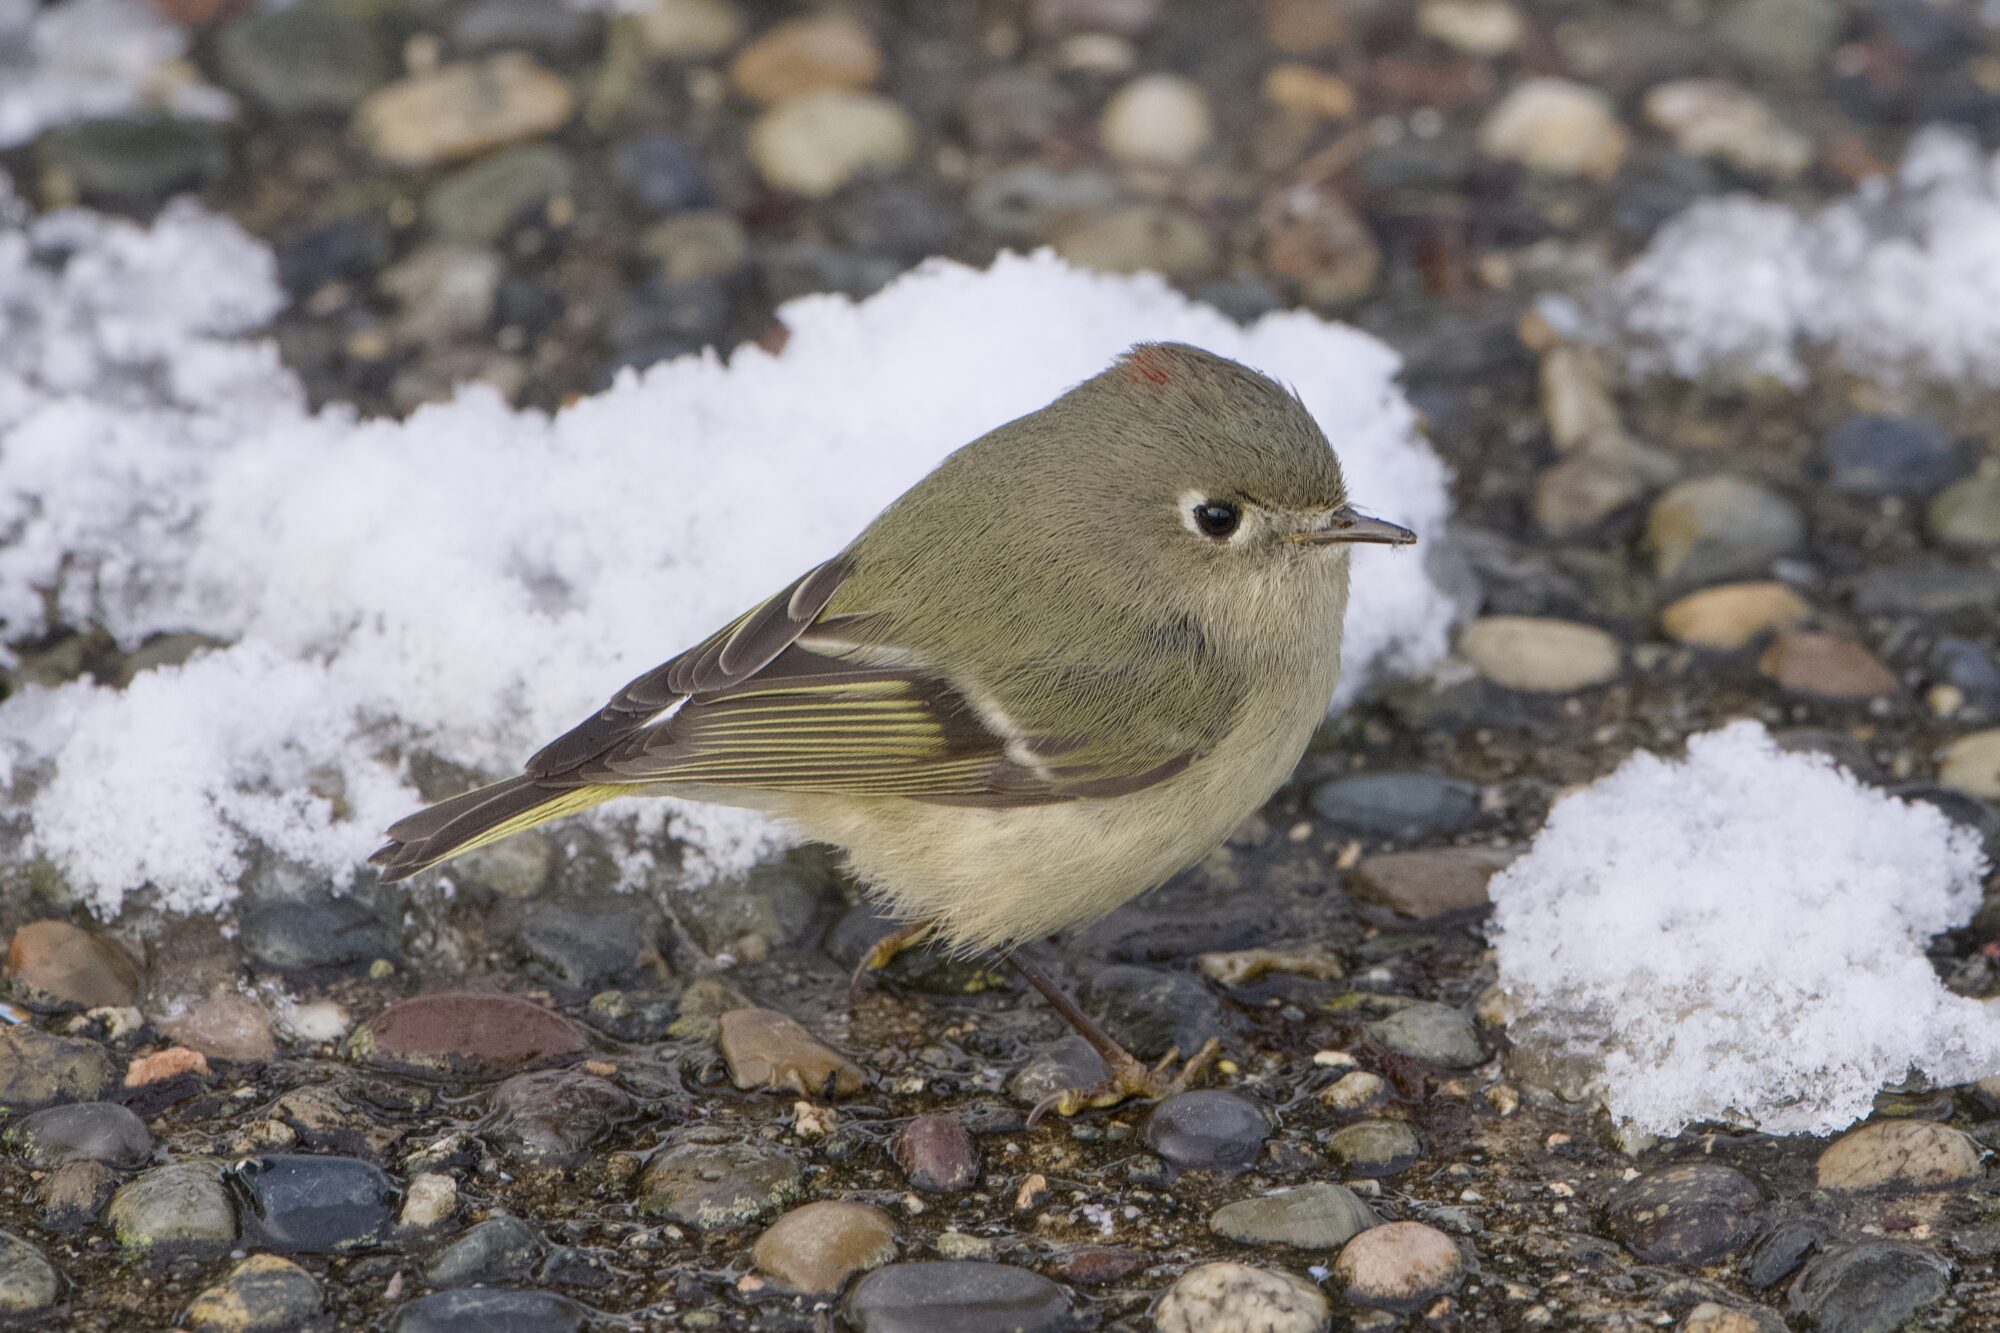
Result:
[
  {"x": 884, "y": 951},
  {"x": 1129, "y": 1078}
]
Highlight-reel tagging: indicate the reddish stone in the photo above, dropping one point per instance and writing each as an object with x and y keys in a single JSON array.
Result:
[
  {"x": 937, "y": 1154},
  {"x": 174, "y": 1062},
  {"x": 1828, "y": 666},
  {"x": 1096, "y": 1265},
  {"x": 465, "y": 1034},
  {"x": 53, "y": 963}
]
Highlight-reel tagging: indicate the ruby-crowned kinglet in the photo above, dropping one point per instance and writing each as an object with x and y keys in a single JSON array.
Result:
[{"x": 1061, "y": 667}]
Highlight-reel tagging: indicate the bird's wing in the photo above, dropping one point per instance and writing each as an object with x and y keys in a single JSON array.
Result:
[{"x": 789, "y": 698}]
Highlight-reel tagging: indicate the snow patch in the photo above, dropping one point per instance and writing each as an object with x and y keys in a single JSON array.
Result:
[
  {"x": 1899, "y": 279},
  {"x": 85, "y": 59},
  {"x": 472, "y": 581},
  {"x": 1739, "y": 936}
]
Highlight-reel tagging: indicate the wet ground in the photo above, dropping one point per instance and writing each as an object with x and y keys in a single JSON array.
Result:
[{"x": 1337, "y": 156}]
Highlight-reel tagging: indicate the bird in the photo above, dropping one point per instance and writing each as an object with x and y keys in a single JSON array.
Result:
[{"x": 1057, "y": 670}]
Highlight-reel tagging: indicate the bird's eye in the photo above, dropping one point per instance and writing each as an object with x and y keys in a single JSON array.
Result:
[{"x": 1216, "y": 518}]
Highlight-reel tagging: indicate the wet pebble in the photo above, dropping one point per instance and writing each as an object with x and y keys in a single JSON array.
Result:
[
  {"x": 715, "y": 1180},
  {"x": 1150, "y": 1010},
  {"x": 962, "y": 1296},
  {"x": 1014, "y": 107},
  {"x": 660, "y": 174},
  {"x": 1319, "y": 1216},
  {"x": 1826, "y": 666},
  {"x": 180, "y": 1208},
  {"x": 1405, "y": 807},
  {"x": 1157, "y": 120},
  {"x": 304, "y": 1204},
  {"x": 1158, "y": 238},
  {"x": 1398, "y": 1265},
  {"x": 38, "y": 1070},
  {"x": 1719, "y": 527},
  {"x": 937, "y": 1154},
  {"x": 482, "y": 202},
  {"x": 322, "y": 930},
  {"x": 28, "y": 1282},
  {"x": 1320, "y": 245},
  {"x": 1207, "y": 1130},
  {"x": 1869, "y": 454},
  {"x": 1033, "y": 202},
  {"x": 466, "y": 1034},
  {"x": 821, "y": 53},
  {"x": 223, "y": 1027},
  {"x": 1688, "y": 1213},
  {"x": 1236, "y": 1298},
  {"x": 1069, "y": 1062},
  {"x": 1777, "y": 1254},
  {"x": 1556, "y": 127},
  {"x": 1479, "y": 28},
  {"x": 1430, "y": 883},
  {"x": 1898, "y": 1155},
  {"x": 1730, "y": 615},
  {"x": 53, "y": 964},
  {"x": 1375, "y": 1147},
  {"x": 261, "y": 1294},
  {"x": 1435, "y": 1033},
  {"x": 816, "y": 1248},
  {"x": 1971, "y": 764},
  {"x": 134, "y": 164},
  {"x": 301, "y": 59},
  {"x": 814, "y": 144},
  {"x": 74, "y": 1194},
  {"x": 1714, "y": 118},
  {"x": 1539, "y": 654},
  {"x": 1713, "y": 1317},
  {"x": 1358, "y": 1090},
  {"x": 765, "y": 1049},
  {"x": 489, "y": 1310},
  {"x": 1873, "y": 1287},
  {"x": 554, "y": 1117},
  {"x": 495, "y": 1252},
  {"x": 458, "y": 110},
  {"x": 1926, "y": 590},
  {"x": 84, "y": 1131},
  {"x": 1968, "y": 512},
  {"x": 560, "y": 32},
  {"x": 696, "y": 246}
]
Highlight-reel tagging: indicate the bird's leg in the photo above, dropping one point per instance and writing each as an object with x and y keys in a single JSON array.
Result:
[
  {"x": 1125, "y": 1075},
  {"x": 883, "y": 952}
]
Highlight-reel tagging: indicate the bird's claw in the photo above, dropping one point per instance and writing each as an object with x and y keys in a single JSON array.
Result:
[
  {"x": 1129, "y": 1078},
  {"x": 884, "y": 951}
]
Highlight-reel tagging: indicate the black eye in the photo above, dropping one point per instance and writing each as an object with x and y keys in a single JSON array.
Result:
[{"x": 1216, "y": 518}]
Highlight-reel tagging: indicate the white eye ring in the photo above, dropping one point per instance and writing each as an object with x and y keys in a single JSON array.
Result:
[{"x": 1219, "y": 521}]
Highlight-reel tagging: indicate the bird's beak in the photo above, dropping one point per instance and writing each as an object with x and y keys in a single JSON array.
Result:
[{"x": 1346, "y": 525}]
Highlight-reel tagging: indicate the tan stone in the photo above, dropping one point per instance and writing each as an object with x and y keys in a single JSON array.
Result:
[
  {"x": 1431, "y": 882},
  {"x": 1541, "y": 654},
  {"x": 1397, "y": 1264},
  {"x": 54, "y": 962},
  {"x": 1309, "y": 91},
  {"x": 1898, "y": 1155},
  {"x": 457, "y": 111},
  {"x": 1971, "y": 764},
  {"x": 766, "y": 1049},
  {"x": 1730, "y": 615},
  {"x": 818, "y": 1247},
  {"x": 820, "y": 53}
]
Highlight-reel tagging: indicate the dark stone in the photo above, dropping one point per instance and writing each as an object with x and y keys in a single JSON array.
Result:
[
  {"x": 498, "y": 1250},
  {"x": 38, "y": 1070},
  {"x": 715, "y": 1180},
  {"x": 560, "y": 32},
  {"x": 1149, "y": 1011},
  {"x": 1926, "y": 590},
  {"x": 483, "y": 202},
  {"x": 352, "y": 248},
  {"x": 938, "y": 1154},
  {"x": 1868, "y": 1288},
  {"x": 590, "y": 943},
  {"x": 658, "y": 321},
  {"x": 892, "y": 218},
  {"x": 82, "y": 1132},
  {"x": 291, "y": 921},
  {"x": 1657, "y": 187},
  {"x": 1058, "y": 1067},
  {"x": 1018, "y": 106},
  {"x": 302, "y": 58},
  {"x": 1244, "y": 296},
  {"x": 1434, "y": 1033},
  {"x": 1403, "y": 807},
  {"x": 962, "y": 1297},
  {"x": 75, "y": 1193},
  {"x": 660, "y": 174},
  {"x": 1689, "y": 1213},
  {"x": 489, "y": 1310},
  {"x": 527, "y": 306},
  {"x": 298, "y": 1204},
  {"x": 135, "y": 164},
  {"x": 465, "y": 1034},
  {"x": 778, "y": 902},
  {"x": 631, "y": 1015},
  {"x": 1968, "y": 665},
  {"x": 1878, "y": 455},
  {"x": 1777, "y": 1253},
  {"x": 802, "y": 268},
  {"x": 554, "y": 1117},
  {"x": 1207, "y": 1130}
]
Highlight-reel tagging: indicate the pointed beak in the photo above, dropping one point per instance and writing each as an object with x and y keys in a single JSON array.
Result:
[{"x": 1346, "y": 526}]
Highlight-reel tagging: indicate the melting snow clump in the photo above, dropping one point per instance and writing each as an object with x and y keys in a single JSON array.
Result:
[
  {"x": 1901, "y": 278},
  {"x": 468, "y": 583},
  {"x": 1739, "y": 936},
  {"x": 80, "y": 59}
]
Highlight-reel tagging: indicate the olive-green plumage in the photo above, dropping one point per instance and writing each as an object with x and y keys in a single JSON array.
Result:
[{"x": 1059, "y": 668}]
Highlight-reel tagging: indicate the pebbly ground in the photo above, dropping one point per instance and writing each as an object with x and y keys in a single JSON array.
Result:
[{"x": 667, "y": 1110}]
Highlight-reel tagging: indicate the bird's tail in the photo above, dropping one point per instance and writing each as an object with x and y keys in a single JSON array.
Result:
[{"x": 477, "y": 818}]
